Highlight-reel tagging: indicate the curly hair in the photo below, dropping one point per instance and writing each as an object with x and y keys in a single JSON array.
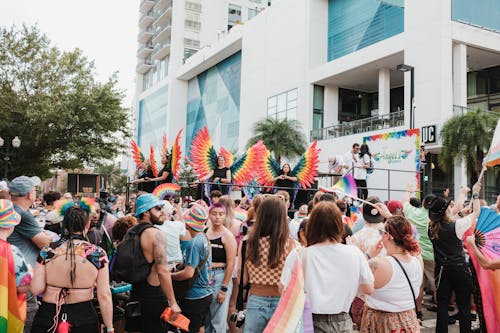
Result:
[
  {"x": 400, "y": 229},
  {"x": 121, "y": 227}
]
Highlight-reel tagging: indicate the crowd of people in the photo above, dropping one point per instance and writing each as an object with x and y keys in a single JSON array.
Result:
[{"x": 366, "y": 268}]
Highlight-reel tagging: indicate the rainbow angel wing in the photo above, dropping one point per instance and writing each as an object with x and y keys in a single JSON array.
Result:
[
  {"x": 243, "y": 170},
  {"x": 202, "y": 154},
  {"x": 307, "y": 167},
  {"x": 176, "y": 155},
  {"x": 228, "y": 156},
  {"x": 152, "y": 161},
  {"x": 268, "y": 169},
  {"x": 137, "y": 155},
  {"x": 164, "y": 147}
]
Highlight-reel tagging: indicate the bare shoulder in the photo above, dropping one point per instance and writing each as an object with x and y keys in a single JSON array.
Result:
[{"x": 150, "y": 236}]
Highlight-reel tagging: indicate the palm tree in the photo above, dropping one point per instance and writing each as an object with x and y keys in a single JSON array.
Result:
[
  {"x": 284, "y": 138},
  {"x": 467, "y": 136}
]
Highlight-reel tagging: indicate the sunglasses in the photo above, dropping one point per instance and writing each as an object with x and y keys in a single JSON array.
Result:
[
  {"x": 158, "y": 208},
  {"x": 382, "y": 232}
]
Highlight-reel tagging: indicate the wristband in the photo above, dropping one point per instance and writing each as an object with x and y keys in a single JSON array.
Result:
[
  {"x": 475, "y": 195},
  {"x": 367, "y": 255},
  {"x": 223, "y": 288},
  {"x": 110, "y": 329}
]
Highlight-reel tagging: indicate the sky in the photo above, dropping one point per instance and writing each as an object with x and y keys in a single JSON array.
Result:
[{"x": 106, "y": 31}]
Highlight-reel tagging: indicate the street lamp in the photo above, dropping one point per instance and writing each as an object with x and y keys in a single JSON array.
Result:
[
  {"x": 16, "y": 143},
  {"x": 407, "y": 68}
]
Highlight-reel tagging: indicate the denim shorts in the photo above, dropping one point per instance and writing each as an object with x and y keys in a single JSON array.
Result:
[{"x": 260, "y": 309}]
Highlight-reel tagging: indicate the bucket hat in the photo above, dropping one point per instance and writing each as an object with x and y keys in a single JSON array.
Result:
[
  {"x": 8, "y": 216},
  {"x": 145, "y": 202}
]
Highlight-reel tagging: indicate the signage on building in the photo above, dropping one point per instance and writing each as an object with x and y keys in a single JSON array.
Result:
[{"x": 428, "y": 134}]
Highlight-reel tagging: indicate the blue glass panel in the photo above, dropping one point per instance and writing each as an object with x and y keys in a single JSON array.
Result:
[
  {"x": 152, "y": 119},
  {"x": 214, "y": 101},
  {"x": 355, "y": 24},
  {"x": 482, "y": 13}
]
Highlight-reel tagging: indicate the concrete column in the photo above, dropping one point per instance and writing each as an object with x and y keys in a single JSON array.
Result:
[
  {"x": 459, "y": 74},
  {"x": 384, "y": 91},
  {"x": 331, "y": 115},
  {"x": 459, "y": 175}
]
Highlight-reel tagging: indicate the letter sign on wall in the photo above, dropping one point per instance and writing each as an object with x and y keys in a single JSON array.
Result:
[{"x": 428, "y": 134}]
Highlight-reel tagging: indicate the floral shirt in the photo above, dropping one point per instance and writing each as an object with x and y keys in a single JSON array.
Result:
[
  {"x": 93, "y": 253},
  {"x": 23, "y": 270}
]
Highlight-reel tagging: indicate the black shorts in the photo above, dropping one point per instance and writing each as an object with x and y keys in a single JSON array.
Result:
[
  {"x": 196, "y": 310},
  {"x": 152, "y": 303},
  {"x": 82, "y": 317}
]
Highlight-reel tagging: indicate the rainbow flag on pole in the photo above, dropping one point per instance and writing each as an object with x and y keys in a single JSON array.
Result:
[
  {"x": 346, "y": 184},
  {"x": 493, "y": 156},
  {"x": 12, "y": 305},
  {"x": 288, "y": 314}
]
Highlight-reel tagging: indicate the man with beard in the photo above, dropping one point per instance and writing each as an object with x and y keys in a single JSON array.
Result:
[{"x": 153, "y": 292}]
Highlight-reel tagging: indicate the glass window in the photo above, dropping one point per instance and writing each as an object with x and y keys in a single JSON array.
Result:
[
  {"x": 252, "y": 13},
  {"x": 283, "y": 105}
]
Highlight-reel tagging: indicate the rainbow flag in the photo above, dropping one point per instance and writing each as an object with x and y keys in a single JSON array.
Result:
[
  {"x": 493, "y": 156},
  {"x": 346, "y": 184},
  {"x": 240, "y": 214},
  {"x": 162, "y": 190},
  {"x": 12, "y": 305},
  {"x": 288, "y": 314}
]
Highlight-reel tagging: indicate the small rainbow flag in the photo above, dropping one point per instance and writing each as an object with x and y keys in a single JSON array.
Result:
[
  {"x": 161, "y": 191},
  {"x": 12, "y": 304},
  {"x": 288, "y": 314},
  {"x": 240, "y": 214},
  {"x": 346, "y": 184},
  {"x": 493, "y": 156}
]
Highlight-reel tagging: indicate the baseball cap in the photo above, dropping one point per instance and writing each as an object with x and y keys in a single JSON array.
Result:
[
  {"x": 145, "y": 202},
  {"x": 437, "y": 209},
  {"x": 22, "y": 185},
  {"x": 394, "y": 206},
  {"x": 370, "y": 213}
]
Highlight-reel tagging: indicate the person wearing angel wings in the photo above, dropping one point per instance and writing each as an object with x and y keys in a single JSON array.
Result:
[
  {"x": 221, "y": 170},
  {"x": 286, "y": 178}
]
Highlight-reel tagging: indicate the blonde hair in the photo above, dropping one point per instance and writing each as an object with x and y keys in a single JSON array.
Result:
[{"x": 229, "y": 204}]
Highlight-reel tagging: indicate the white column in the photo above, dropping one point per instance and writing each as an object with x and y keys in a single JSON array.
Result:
[
  {"x": 460, "y": 176},
  {"x": 331, "y": 112},
  {"x": 384, "y": 91},
  {"x": 459, "y": 74}
]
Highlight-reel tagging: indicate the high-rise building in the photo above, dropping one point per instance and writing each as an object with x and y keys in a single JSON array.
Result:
[{"x": 171, "y": 31}]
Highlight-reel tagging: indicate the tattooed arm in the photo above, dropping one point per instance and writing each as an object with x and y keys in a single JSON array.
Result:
[{"x": 160, "y": 261}]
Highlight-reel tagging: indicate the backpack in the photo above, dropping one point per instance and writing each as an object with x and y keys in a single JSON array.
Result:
[
  {"x": 130, "y": 264},
  {"x": 369, "y": 170}
]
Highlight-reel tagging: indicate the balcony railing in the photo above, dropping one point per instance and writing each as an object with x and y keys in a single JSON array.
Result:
[
  {"x": 162, "y": 31},
  {"x": 144, "y": 65},
  {"x": 161, "y": 50},
  {"x": 146, "y": 5},
  {"x": 393, "y": 119},
  {"x": 144, "y": 50},
  {"x": 161, "y": 15},
  {"x": 146, "y": 19},
  {"x": 145, "y": 35},
  {"x": 460, "y": 110}
]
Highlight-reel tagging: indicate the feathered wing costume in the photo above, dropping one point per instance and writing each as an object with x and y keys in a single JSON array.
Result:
[
  {"x": 204, "y": 159},
  {"x": 137, "y": 155},
  {"x": 305, "y": 170}
]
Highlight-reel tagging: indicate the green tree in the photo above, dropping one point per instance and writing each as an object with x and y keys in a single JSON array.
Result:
[
  {"x": 51, "y": 100},
  {"x": 467, "y": 136},
  {"x": 284, "y": 138},
  {"x": 116, "y": 179}
]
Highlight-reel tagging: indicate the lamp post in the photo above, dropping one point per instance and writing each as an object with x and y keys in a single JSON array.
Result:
[
  {"x": 407, "y": 68},
  {"x": 16, "y": 143}
]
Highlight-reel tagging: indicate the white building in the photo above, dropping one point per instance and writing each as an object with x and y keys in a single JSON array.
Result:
[
  {"x": 332, "y": 65},
  {"x": 170, "y": 31}
]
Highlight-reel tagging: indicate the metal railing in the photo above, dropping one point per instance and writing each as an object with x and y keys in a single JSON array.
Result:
[
  {"x": 460, "y": 110},
  {"x": 393, "y": 119}
]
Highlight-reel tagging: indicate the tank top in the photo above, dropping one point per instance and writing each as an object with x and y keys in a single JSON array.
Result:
[
  {"x": 218, "y": 250},
  {"x": 448, "y": 249},
  {"x": 263, "y": 274},
  {"x": 220, "y": 173},
  {"x": 396, "y": 295}
]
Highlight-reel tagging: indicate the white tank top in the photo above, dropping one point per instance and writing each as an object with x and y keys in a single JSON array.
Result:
[{"x": 396, "y": 295}]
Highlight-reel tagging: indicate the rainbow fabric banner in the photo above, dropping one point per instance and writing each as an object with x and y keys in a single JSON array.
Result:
[
  {"x": 12, "y": 305},
  {"x": 493, "y": 156},
  {"x": 161, "y": 191},
  {"x": 240, "y": 214},
  {"x": 288, "y": 314},
  {"x": 346, "y": 185}
]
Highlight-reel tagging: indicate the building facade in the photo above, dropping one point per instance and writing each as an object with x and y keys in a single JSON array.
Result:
[{"x": 345, "y": 69}]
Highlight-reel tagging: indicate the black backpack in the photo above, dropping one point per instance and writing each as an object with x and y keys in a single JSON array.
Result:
[{"x": 130, "y": 264}]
